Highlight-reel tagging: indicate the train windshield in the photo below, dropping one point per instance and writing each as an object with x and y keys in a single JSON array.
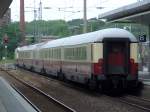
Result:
[{"x": 116, "y": 57}]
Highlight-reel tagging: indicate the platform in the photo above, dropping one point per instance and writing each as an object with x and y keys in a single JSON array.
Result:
[
  {"x": 11, "y": 101},
  {"x": 144, "y": 77}
]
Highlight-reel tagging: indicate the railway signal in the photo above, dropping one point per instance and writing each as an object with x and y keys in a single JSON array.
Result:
[{"x": 5, "y": 39}]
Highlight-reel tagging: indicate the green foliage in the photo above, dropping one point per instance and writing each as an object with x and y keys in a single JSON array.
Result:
[
  {"x": 12, "y": 31},
  {"x": 55, "y": 27},
  {"x": 76, "y": 25},
  {"x": 58, "y": 28}
]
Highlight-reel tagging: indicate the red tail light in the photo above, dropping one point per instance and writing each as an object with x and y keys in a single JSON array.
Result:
[
  {"x": 133, "y": 67},
  {"x": 98, "y": 67}
]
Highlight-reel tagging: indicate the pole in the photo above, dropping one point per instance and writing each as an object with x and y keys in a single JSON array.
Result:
[
  {"x": 22, "y": 22},
  {"x": 40, "y": 10},
  {"x": 5, "y": 56},
  {"x": 149, "y": 50},
  {"x": 40, "y": 18},
  {"x": 84, "y": 17},
  {"x": 34, "y": 22}
]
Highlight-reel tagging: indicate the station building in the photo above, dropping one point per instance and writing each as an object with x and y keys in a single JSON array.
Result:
[{"x": 138, "y": 12}]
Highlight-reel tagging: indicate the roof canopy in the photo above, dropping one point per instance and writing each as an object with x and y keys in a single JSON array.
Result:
[
  {"x": 138, "y": 12},
  {"x": 4, "y": 5}
]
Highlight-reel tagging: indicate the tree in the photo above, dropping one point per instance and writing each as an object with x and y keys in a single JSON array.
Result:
[{"x": 12, "y": 31}]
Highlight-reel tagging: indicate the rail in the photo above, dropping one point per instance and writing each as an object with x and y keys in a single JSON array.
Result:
[{"x": 59, "y": 103}]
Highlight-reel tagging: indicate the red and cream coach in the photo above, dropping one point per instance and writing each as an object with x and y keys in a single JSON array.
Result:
[{"x": 106, "y": 57}]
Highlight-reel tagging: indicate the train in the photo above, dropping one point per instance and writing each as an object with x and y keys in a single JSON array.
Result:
[{"x": 105, "y": 58}]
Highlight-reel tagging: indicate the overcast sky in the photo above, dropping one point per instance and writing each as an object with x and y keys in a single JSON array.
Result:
[{"x": 69, "y": 9}]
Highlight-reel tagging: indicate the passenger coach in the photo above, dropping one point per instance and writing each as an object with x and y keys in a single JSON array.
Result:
[{"x": 105, "y": 58}]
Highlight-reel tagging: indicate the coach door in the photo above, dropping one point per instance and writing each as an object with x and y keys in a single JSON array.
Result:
[{"x": 116, "y": 56}]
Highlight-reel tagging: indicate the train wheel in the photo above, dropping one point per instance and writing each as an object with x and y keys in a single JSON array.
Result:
[
  {"x": 92, "y": 84},
  {"x": 100, "y": 88},
  {"x": 43, "y": 71},
  {"x": 61, "y": 76},
  {"x": 31, "y": 68}
]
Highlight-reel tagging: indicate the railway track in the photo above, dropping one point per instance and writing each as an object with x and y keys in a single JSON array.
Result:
[
  {"x": 34, "y": 106},
  {"x": 137, "y": 102},
  {"x": 69, "y": 84},
  {"x": 62, "y": 107},
  {"x": 140, "y": 103}
]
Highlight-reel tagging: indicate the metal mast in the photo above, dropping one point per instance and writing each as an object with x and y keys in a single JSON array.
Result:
[
  {"x": 84, "y": 17},
  {"x": 22, "y": 22},
  {"x": 40, "y": 10},
  {"x": 34, "y": 32},
  {"x": 40, "y": 18}
]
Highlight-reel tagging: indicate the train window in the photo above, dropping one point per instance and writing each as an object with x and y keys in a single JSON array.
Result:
[
  {"x": 28, "y": 55},
  {"x": 51, "y": 55},
  {"x": 22, "y": 54},
  {"x": 81, "y": 53},
  {"x": 72, "y": 53},
  {"x": 41, "y": 55},
  {"x": 55, "y": 54},
  {"x": 47, "y": 53},
  {"x": 25, "y": 54},
  {"x": 44, "y": 54},
  {"x": 84, "y": 53},
  {"x": 67, "y": 53},
  {"x": 75, "y": 54},
  {"x": 78, "y": 53},
  {"x": 59, "y": 53}
]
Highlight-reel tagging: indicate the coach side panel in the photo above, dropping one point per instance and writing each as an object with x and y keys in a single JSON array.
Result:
[
  {"x": 76, "y": 62},
  {"x": 133, "y": 75},
  {"x": 97, "y": 59}
]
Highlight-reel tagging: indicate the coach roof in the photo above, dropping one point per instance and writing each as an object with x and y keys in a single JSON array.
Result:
[
  {"x": 96, "y": 36},
  {"x": 30, "y": 47}
]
